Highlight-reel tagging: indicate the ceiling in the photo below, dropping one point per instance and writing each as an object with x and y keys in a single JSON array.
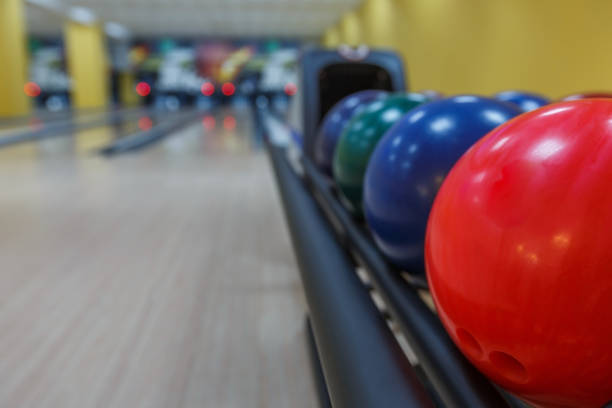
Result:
[{"x": 220, "y": 18}]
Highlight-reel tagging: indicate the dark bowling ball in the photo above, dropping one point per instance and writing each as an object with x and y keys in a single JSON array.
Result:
[
  {"x": 410, "y": 163},
  {"x": 359, "y": 139},
  {"x": 526, "y": 101},
  {"x": 334, "y": 122}
]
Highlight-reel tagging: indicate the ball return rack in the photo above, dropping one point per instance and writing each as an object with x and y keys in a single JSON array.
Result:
[{"x": 374, "y": 340}]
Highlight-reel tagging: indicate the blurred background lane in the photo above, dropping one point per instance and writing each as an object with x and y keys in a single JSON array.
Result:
[
  {"x": 160, "y": 278},
  {"x": 159, "y": 275}
]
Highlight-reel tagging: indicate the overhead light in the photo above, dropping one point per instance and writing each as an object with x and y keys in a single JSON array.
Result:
[
  {"x": 81, "y": 15},
  {"x": 116, "y": 30}
]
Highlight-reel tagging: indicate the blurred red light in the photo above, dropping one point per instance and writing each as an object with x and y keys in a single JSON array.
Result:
[
  {"x": 36, "y": 124},
  {"x": 229, "y": 123},
  {"x": 228, "y": 89},
  {"x": 31, "y": 89},
  {"x": 145, "y": 123},
  {"x": 290, "y": 89},
  {"x": 143, "y": 89},
  {"x": 208, "y": 89},
  {"x": 209, "y": 122}
]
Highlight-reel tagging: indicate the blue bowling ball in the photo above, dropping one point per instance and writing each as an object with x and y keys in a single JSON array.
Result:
[
  {"x": 431, "y": 94},
  {"x": 334, "y": 122},
  {"x": 410, "y": 163},
  {"x": 526, "y": 101}
]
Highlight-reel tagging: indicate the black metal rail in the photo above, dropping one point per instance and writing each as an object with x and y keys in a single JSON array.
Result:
[
  {"x": 362, "y": 362},
  {"x": 317, "y": 370}
]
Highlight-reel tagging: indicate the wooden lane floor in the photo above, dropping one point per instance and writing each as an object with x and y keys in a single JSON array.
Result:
[{"x": 162, "y": 278}]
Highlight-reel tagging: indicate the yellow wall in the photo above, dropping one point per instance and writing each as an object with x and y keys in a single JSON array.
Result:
[
  {"x": 127, "y": 89},
  {"x": 331, "y": 38},
  {"x": 381, "y": 27},
  {"x": 551, "y": 46},
  {"x": 350, "y": 29},
  {"x": 13, "y": 59},
  {"x": 87, "y": 65}
]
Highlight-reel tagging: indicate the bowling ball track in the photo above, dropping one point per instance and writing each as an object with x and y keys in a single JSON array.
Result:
[
  {"x": 352, "y": 339},
  {"x": 455, "y": 381},
  {"x": 441, "y": 361}
]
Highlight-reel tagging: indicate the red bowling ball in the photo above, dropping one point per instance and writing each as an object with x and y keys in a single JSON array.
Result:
[
  {"x": 519, "y": 254},
  {"x": 588, "y": 95}
]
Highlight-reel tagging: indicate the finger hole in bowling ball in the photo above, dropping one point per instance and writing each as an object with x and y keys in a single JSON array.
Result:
[
  {"x": 508, "y": 366},
  {"x": 469, "y": 343}
]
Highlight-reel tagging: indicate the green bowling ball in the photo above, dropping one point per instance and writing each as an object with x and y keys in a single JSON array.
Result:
[{"x": 358, "y": 140}]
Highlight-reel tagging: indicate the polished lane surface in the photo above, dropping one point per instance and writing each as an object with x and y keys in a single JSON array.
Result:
[
  {"x": 41, "y": 120},
  {"x": 160, "y": 278},
  {"x": 89, "y": 131}
]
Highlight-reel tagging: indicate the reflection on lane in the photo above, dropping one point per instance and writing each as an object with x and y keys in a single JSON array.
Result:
[
  {"x": 89, "y": 141},
  {"x": 94, "y": 138},
  {"x": 39, "y": 116},
  {"x": 80, "y": 142},
  {"x": 145, "y": 123},
  {"x": 97, "y": 134},
  {"x": 35, "y": 126},
  {"x": 40, "y": 119},
  {"x": 223, "y": 131}
]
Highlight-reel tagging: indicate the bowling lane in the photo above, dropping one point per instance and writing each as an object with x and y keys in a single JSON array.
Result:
[
  {"x": 41, "y": 119},
  {"x": 218, "y": 134},
  {"x": 41, "y": 116},
  {"x": 90, "y": 138},
  {"x": 151, "y": 279},
  {"x": 88, "y": 141},
  {"x": 37, "y": 128}
]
